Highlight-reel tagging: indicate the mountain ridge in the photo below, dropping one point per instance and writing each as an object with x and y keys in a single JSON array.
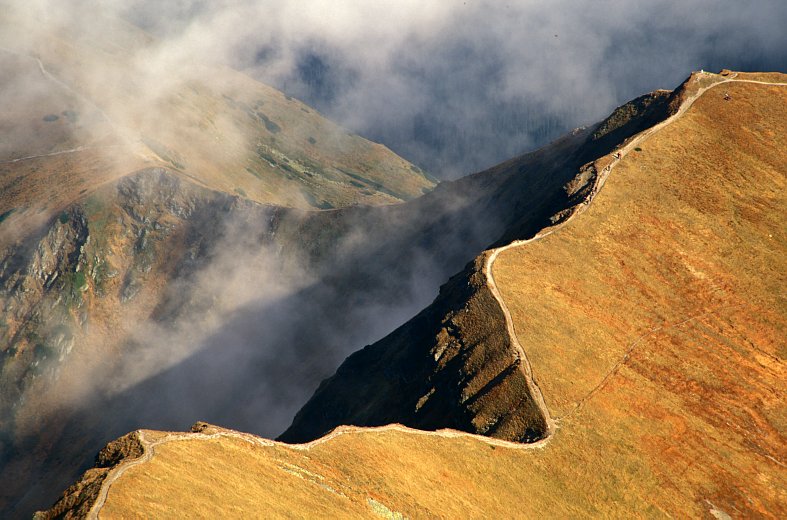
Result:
[
  {"x": 352, "y": 448},
  {"x": 91, "y": 105}
]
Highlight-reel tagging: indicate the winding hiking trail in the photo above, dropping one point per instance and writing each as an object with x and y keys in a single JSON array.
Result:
[
  {"x": 124, "y": 133},
  {"x": 149, "y": 445},
  {"x": 61, "y": 152},
  {"x": 599, "y": 181},
  {"x": 149, "y": 448}
]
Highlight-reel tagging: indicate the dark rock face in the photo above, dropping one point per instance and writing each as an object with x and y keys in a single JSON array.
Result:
[
  {"x": 78, "y": 499},
  {"x": 142, "y": 243},
  {"x": 41, "y": 284},
  {"x": 452, "y": 366},
  {"x": 127, "y": 447}
]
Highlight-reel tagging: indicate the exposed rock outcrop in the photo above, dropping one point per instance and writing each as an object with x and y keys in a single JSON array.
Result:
[
  {"x": 452, "y": 366},
  {"x": 77, "y": 500}
]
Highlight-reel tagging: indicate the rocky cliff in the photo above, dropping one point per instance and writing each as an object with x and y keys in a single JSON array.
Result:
[
  {"x": 652, "y": 322},
  {"x": 132, "y": 291}
]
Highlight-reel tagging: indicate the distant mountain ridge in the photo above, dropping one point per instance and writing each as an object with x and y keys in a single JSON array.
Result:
[
  {"x": 97, "y": 104},
  {"x": 652, "y": 322}
]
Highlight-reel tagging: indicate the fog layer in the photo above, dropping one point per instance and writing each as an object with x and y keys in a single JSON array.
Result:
[{"x": 459, "y": 85}]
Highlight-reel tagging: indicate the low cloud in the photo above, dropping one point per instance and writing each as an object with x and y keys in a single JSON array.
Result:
[
  {"x": 457, "y": 86},
  {"x": 453, "y": 86}
]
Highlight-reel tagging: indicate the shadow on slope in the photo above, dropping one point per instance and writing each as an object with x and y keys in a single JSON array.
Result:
[
  {"x": 374, "y": 267},
  {"x": 453, "y": 366}
]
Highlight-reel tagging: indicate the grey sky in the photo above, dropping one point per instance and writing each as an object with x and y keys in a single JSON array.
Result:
[
  {"x": 460, "y": 85},
  {"x": 454, "y": 86}
]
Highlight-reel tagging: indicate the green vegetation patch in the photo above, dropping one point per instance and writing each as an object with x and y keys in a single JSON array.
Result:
[
  {"x": 271, "y": 126},
  {"x": 265, "y": 156},
  {"x": 6, "y": 214},
  {"x": 376, "y": 185},
  {"x": 165, "y": 153},
  {"x": 79, "y": 281},
  {"x": 281, "y": 163},
  {"x": 73, "y": 285},
  {"x": 284, "y": 165}
]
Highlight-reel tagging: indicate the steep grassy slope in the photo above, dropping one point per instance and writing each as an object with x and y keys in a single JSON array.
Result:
[
  {"x": 151, "y": 250},
  {"x": 453, "y": 366},
  {"x": 469, "y": 378},
  {"x": 710, "y": 187},
  {"x": 120, "y": 180},
  {"x": 98, "y": 250},
  {"x": 659, "y": 349},
  {"x": 102, "y": 104}
]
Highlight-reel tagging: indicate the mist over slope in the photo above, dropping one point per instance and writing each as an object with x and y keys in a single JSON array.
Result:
[
  {"x": 193, "y": 299},
  {"x": 142, "y": 284},
  {"x": 457, "y": 86},
  {"x": 106, "y": 98},
  {"x": 215, "y": 299},
  {"x": 175, "y": 236},
  {"x": 653, "y": 322}
]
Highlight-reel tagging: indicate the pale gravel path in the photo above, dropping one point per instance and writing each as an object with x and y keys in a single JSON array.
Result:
[
  {"x": 150, "y": 446},
  {"x": 62, "y": 152},
  {"x": 122, "y": 132},
  {"x": 580, "y": 208}
]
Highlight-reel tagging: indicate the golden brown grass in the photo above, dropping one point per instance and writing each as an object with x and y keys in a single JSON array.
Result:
[
  {"x": 660, "y": 310},
  {"x": 230, "y": 476}
]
